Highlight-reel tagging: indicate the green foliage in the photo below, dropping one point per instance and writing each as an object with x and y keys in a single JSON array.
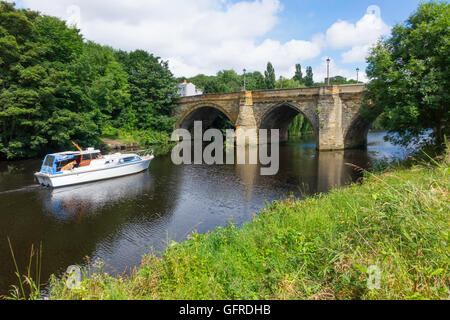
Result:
[
  {"x": 284, "y": 83},
  {"x": 143, "y": 137},
  {"x": 299, "y": 127},
  {"x": 410, "y": 75},
  {"x": 298, "y": 73},
  {"x": 55, "y": 88},
  {"x": 269, "y": 76},
  {"x": 228, "y": 81},
  {"x": 308, "y": 80},
  {"x": 338, "y": 80},
  {"x": 152, "y": 89},
  {"x": 255, "y": 81}
]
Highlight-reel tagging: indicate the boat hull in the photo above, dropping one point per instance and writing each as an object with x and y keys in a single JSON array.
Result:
[{"x": 77, "y": 177}]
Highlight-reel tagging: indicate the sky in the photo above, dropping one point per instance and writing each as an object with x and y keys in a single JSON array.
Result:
[{"x": 206, "y": 36}]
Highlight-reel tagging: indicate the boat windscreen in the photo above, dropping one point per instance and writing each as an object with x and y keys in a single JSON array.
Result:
[
  {"x": 48, "y": 162},
  {"x": 47, "y": 165}
]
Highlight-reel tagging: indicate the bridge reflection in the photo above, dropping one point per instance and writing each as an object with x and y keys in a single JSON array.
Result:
[{"x": 306, "y": 170}]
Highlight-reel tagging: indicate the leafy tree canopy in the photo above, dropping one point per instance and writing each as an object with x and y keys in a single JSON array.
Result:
[
  {"x": 269, "y": 76},
  {"x": 55, "y": 87},
  {"x": 409, "y": 75}
]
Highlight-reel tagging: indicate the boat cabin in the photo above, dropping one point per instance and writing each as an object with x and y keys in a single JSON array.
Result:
[{"x": 63, "y": 161}]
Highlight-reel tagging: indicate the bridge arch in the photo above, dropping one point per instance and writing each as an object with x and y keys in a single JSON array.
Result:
[
  {"x": 356, "y": 134},
  {"x": 205, "y": 112},
  {"x": 280, "y": 116}
]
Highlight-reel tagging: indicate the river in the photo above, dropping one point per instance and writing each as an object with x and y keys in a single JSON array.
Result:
[{"x": 118, "y": 220}]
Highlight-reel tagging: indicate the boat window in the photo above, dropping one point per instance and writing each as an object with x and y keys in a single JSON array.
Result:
[
  {"x": 128, "y": 159},
  {"x": 61, "y": 164},
  {"x": 95, "y": 156},
  {"x": 49, "y": 161}
]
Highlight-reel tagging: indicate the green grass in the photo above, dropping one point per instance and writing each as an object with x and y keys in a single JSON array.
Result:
[
  {"x": 143, "y": 138},
  {"x": 318, "y": 248}
]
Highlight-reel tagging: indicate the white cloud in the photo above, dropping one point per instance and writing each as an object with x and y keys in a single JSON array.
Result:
[
  {"x": 356, "y": 54},
  {"x": 196, "y": 36},
  {"x": 205, "y": 36},
  {"x": 360, "y": 36},
  {"x": 367, "y": 30}
]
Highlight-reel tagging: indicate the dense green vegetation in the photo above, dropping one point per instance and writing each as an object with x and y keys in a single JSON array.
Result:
[
  {"x": 55, "y": 87},
  {"x": 321, "y": 247},
  {"x": 300, "y": 127},
  {"x": 409, "y": 76}
]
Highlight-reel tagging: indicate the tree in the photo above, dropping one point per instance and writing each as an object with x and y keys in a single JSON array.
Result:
[
  {"x": 203, "y": 82},
  {"x": 299, "y": 127},
  {"x": 409, "y": 76},
  {"x": 285, "y": 83},
  {"x": 269, "y": 76},
  {"x": 336, "y": 80},
  {"x": 308, "y": 80},
  {"x": 152, "y": 88},
  {"x": 229, "y": 81},
  {"x": 255, "y": 81},
  {"x": 34, "y": 56},
  {"x": 298, "y": 73},
  {"x": 55, "y": 88}
]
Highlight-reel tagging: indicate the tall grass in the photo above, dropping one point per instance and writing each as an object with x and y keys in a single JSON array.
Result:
[
  {"x": 28, "y": 283},
  {"x": 322, "y": 247}
]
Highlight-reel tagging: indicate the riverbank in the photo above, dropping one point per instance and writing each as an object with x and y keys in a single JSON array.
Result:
[
  {"x": 318, "y": 248},
  {"x": 116, "y": 139}
]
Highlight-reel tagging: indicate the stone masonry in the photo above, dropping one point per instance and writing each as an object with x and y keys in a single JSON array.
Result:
[{"x": 333, "y": 112}]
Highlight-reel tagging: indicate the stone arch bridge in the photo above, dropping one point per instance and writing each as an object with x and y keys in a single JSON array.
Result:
[{"x": 333, "y": 112}]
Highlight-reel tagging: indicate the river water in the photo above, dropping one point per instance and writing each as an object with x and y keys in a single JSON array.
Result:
[{"x": 118, "y": 220}]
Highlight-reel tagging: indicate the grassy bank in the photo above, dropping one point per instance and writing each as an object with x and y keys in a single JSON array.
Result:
[
  {"x": 119, "y": 138},
  {"x": 141, "y": 138},
  {"x": 318, "y": 248}
]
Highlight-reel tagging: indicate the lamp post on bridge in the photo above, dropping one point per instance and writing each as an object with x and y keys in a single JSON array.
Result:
[{"x": 328, "y": 71}]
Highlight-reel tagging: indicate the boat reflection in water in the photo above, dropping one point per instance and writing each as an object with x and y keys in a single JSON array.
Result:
[{"x": 75, "y": 201}]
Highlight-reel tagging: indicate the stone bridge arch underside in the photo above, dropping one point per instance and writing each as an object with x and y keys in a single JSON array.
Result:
[{"x": 332, "y": 111}]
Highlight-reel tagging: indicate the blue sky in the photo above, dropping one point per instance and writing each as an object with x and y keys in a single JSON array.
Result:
[
  {"x": 303, "y": 18},
  {"x": 205, "y": 36}
]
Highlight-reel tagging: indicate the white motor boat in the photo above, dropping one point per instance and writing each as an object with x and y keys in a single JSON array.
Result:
[{"x": 75, "y": 167}]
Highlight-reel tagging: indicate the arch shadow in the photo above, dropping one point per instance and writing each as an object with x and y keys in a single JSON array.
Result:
[
  {"x": 356, "y": 134},
  {"x": 209, "y": 114},
  {"x": 280, "y": 117}
]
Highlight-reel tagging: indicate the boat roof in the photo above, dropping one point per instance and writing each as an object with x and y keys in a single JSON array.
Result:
[
  {"x": 79, "y": 152},
  {"x": 75, "y": 153}
]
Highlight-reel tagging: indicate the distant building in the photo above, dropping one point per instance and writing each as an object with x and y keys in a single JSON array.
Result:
[{"x": 186, "y": 89}]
